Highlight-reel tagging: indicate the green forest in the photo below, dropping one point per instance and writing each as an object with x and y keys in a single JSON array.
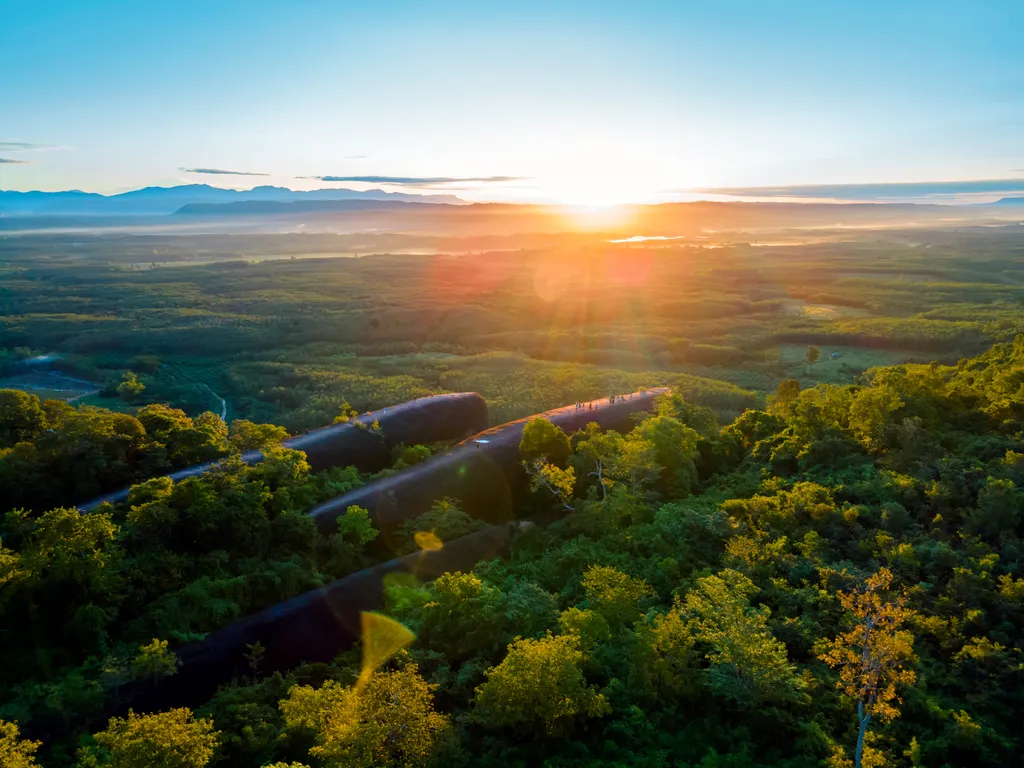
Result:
[
  {"x": 630, "y": 384},
  {"x": 832, "y": 578},
  {"x": 284, "y": 340},
  {"x": 807, "y": 555}
]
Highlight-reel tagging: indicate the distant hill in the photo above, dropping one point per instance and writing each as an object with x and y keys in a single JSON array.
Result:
[
  {"x": 167, "y": 200},
  {"x": 274, "y": 207},
  {"x": 1010, "y": 201}
]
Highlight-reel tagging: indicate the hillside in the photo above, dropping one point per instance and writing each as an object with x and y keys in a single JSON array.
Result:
[{"x": 698, "y": 596}]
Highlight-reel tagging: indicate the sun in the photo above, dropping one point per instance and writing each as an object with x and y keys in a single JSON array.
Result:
[
  {"x": 588, "y": 186},
  {"x": 591, "y": 202},
  {"x": 598, "y": 218},
  {"x": 589, "y": 189}
]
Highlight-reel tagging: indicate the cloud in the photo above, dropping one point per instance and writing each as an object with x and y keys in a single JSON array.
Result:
[
  {"x": 222, "y": 172},
  {"x": 356, "y": 157},
  {"x": 417, "y": 181},
  {"x": 918, "y": 191},
  {"x": 22, "y": 146},
  {"x": 9, "y": 161}
]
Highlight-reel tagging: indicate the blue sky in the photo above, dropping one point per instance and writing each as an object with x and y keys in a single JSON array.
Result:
[{"x": 583, "y": 102}]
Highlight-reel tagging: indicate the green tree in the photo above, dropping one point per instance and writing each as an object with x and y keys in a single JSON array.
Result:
[
  {"x": 702, "y": 420},
  {"x": 10, "y": 570},
  {"x": 813, "y": 353},
  {"x": 172, "y": 739},
  {"x": 185, "y": 441},
  {"x": 154, "y": 661},
  {"x": 596, "y": 453},
  {"x": 130, "y": 387},
  {"x": 589, "y": 626},
  {"x": 444, "y": 521},
  {"x": 674, "y": 443},
  {"x": 345, "y": 413},
  {"x": 539, "y": 683},
  {"x": 543, "y": 441},
  {"x": 873, "y": 655},
  {"x": 21, "y": 417},
  {"x": 462, "y": 616},
  {"x": 748, "y": 664},
  {"x": 73, "y": 551},
  {"x": 871, "y": 415},
  {"x": 245, "y": 435},
  {"x": 389, "y": 722},
  {"x": 636, "y": 463},
  {"x": 614, "y": 594},
  {"x": 81, "y": 452},
  {"x": 784, "y": 400},
  {"x": 16, "y": 752},
  {"x": 348, "y": 544},
  {"x": 403, "y": 455},
  {"x": 666, "y": 661},
  {"x": 559, "y": 483}
]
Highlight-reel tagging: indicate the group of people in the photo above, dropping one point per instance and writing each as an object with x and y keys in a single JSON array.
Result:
[{"x": 581, "y": 406}]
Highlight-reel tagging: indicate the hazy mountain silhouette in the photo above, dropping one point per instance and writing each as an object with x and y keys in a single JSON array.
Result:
[
  {"x": 167, "y": 200},
  {"x": 1010, "y": 201},
  {"x": 275, "y": 207}
]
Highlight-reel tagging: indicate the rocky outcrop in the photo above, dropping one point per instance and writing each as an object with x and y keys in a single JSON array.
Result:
[
  {"x": 484, "y": 471},
  {"x": 357, "y": 443},
  {"x": 312, "y": 627}
]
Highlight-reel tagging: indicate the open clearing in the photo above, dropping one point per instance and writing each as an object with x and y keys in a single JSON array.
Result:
[
  {"x": 844, "y": 369},
  {"x": 52, "y": 386},
  {"x": 904, "y": 277},
  {"x": 823, "y": 311}
]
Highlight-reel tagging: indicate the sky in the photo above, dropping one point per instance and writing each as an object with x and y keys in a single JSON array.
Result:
[{"x": 580, "y": 102}]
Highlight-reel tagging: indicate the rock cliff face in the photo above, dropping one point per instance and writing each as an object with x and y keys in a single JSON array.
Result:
[
  {"x": 311, "y": 627},
  {"x": 483, "y": 471},
  {"x": 355, "y": 443}
]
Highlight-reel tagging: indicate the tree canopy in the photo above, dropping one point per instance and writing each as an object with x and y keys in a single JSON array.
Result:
[{"x": 834, "y": 579}]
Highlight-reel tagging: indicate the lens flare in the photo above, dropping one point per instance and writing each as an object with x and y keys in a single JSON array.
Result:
[
  {"x": 428, "y": 541},
  {"x": 383, "y": 637}
]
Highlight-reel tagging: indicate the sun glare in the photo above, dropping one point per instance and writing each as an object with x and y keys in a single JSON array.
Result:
[
  {"x": 588, "y": 189},
  {"x": 597, "y": 218}
]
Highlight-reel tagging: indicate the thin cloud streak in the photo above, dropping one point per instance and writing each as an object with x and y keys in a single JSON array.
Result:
[
  {"x": 9, "y": 161},
  {"x": 886, "y": 192},
  {"x": 23, "y": 146},
  {"x": 417, "y": 181},
  {"x": 222, "y": 172}
]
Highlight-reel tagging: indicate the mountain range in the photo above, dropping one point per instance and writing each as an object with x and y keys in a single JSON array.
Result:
[
  {"x": 155, "y": 201},
  {"x": 298, "y": 207}
]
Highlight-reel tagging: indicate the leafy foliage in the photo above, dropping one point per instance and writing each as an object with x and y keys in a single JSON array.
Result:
[
  {"x": 389, "y": 722},
  {"x": 717, "y": 596},
  {"x": 872, "y": 655},
  {"x": 539, "y": 683},
  {"x": 748, "y": 664},
  {"x": 543, "y": 441},
  {"x": 172, "y": 739},
  {"x": 16, "y": 752},
  {"x": 53, "y": 454}
]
